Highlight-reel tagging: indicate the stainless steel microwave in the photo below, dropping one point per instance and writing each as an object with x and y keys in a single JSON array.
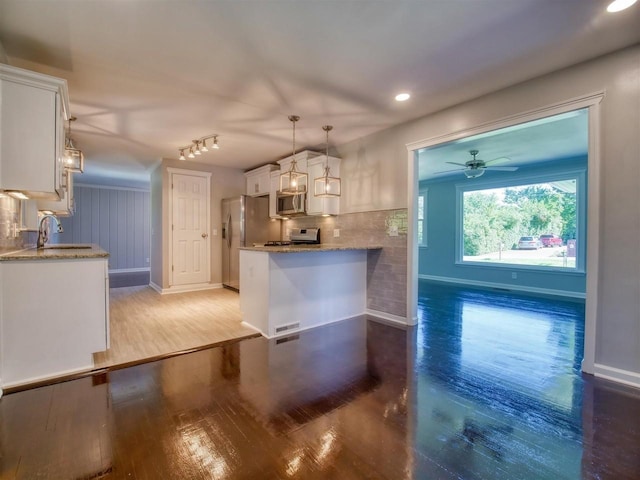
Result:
[{"x": 289, "y": 205}]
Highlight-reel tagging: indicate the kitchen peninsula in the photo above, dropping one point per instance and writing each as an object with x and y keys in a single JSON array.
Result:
[
  {"x": 54, "y": 313},
  {"x": 291, "y": 288}
]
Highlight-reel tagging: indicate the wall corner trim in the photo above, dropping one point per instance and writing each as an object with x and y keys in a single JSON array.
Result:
[{"x": 388, "y": 317}]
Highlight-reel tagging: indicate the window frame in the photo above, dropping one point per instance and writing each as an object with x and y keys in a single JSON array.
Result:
[{"x": 579, "y": 174}]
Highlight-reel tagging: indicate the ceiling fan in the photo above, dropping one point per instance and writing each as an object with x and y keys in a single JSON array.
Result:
[{"x": 475, "y": 167}]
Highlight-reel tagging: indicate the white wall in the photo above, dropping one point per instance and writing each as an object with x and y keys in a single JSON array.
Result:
[
  {"x": 225, "y": 182},
  {"x": 375, "y": 169}
]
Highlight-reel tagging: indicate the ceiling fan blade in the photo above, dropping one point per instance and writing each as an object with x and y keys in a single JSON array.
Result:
[
  {"x": 498, "y": 160},
  {"x": 455, "y": 163},
  {"x": 503, "y": 169},
  {"x": 448, "y": 171}
]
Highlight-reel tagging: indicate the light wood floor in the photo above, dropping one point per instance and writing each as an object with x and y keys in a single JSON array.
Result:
[{"x": 145, "y": 324}]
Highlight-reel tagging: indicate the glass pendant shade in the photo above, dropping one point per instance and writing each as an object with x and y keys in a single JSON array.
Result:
[
  {"x": 293, "y": 181},
  {"x": 327, "y": 186},
  {"x": 73, "y": 159}
]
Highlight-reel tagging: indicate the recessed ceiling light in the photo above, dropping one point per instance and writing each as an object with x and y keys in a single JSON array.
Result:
[
  {"x": 619, "y": 5},
  {"x": 401, "y": 97}
]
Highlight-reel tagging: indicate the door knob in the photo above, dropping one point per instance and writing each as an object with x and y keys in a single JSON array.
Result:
[{"x": 205, "y": 235}]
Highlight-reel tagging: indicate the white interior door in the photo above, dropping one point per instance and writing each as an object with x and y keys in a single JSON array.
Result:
[{"x": 190, "y": 229}]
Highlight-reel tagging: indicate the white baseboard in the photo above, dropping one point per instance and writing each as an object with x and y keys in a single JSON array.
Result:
[
  {"x": 184, "y": 288},
  {"x": 130, "y": 270},
  {"x": 505, "y": 286},
  {"x": 388, "y": 317},
  {"x": 41, "y": 378},
  {"x": 617, "y": 375}
]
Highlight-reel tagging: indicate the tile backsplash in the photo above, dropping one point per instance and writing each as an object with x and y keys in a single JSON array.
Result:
[
  {"x": 9, "y": 217},
  {"x": 386, "y": 268}
]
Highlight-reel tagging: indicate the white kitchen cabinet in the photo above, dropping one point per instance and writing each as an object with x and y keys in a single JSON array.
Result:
[
  {"x": 322, "y": 205},
  {"x": 54, "y": 316},
  {"x": 64, "y": 207},
  {"x": 33, "y": 111},
  {"x": 259, "y": 180},
  {"x": 301, "y": 162}
]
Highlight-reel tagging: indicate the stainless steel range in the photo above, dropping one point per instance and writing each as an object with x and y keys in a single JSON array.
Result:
[{"x": 305, "y": 236}]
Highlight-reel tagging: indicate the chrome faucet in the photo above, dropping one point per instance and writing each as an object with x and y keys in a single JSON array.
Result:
[{"x": 43, "y": 233}]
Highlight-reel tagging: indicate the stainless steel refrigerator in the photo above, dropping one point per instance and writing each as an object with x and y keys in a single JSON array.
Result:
[{"x": 245, "y": 221}]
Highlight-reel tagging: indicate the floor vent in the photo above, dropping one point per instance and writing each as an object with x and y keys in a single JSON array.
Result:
[
  {"x": 290, "y": 338},
  {"x": 286, "y": 328}
]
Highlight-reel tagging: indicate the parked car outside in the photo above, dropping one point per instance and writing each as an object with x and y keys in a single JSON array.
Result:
[
  {"x": 550, "y": 240},
  {"x": 529, "y": 243}
]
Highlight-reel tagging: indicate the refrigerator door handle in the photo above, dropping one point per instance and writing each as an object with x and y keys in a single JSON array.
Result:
[{"x": 229, "y": 231}]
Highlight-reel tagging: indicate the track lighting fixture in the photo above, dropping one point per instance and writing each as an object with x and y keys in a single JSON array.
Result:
[{"x": 199, "y": 146}]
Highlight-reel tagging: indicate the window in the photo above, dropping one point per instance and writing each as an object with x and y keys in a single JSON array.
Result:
[
  {"x": 534, "y": 225},
  {"x": 422, "y": 218}
]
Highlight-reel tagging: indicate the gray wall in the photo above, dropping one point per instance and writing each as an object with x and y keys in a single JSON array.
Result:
[
  {"x": 438, "y": 258},
  {"x": 116, "y": 219},
  {"x": 378, "y": 166}
]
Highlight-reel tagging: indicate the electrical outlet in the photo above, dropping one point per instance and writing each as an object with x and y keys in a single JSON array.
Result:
[
  {"x": 336, "y": 232},
  {"x": 147, "y": 260},
  {"x": 215, "y": 232},
  {"x": 514, "y": 275},
  {"x": 393, "y": 230}
]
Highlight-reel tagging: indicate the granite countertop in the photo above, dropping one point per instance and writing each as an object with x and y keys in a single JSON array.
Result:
[
  {"x": 311, "y": 248},
  {"x": 65, "y": 251}
]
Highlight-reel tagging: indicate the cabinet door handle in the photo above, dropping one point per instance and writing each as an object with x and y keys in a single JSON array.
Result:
[{"x": 205, "y": 235}]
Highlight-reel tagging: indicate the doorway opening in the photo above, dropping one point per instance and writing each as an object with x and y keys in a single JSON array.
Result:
[{"x": 459, "y": 160}]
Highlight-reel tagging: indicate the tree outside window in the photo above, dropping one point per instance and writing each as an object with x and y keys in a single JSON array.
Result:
[
  {"x": 422, "y": 224},
  {"x": 532, "y": 224}
]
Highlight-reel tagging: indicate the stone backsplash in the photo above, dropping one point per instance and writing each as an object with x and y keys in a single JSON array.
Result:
[{"x": 386, "y": 268}]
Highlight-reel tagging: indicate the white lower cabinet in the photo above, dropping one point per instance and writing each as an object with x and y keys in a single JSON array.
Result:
[{"x": 54, "y": 316}]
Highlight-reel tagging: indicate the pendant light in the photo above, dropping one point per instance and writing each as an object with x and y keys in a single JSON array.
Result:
[
  {"x": 293, "y": 181},
  {"x": 73, "y": 157},
  {"x": 327, "y": 186}
]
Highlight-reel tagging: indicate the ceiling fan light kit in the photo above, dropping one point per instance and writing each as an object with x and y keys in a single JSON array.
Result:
[
  {"x": 200, "y": 146},
  {"x": 475, "y": 167}
]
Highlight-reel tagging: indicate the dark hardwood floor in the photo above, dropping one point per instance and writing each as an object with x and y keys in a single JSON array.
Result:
[{"x": 487, "y": 387}]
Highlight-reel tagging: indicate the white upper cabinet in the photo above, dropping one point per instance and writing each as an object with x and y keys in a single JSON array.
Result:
[
  {"x": 259, "y": 180},
  {"x": 322, "y": 205},
  {"x": 64, "y": 207},
  {"x": 313, "y": 163},
  {"x": 33, "y": 111}
]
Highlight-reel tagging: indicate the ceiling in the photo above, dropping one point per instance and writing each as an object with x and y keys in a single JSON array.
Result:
[
  {"x": 549, "y": 139},
  {"x": 146, "y": 77}
]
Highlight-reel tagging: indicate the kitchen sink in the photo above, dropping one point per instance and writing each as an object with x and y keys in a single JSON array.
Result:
[{"x": 65, "y": 246}]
